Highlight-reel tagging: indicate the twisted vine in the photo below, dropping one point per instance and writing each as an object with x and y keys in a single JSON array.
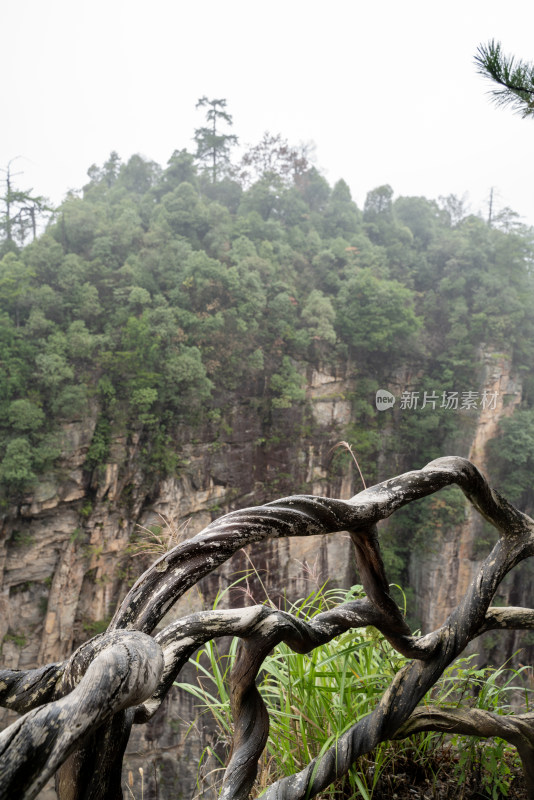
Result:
[{"x": 79, "y": 713}]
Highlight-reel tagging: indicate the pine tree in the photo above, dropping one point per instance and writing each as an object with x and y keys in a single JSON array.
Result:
[
  {"x": 20, "y": 214},
  {"x": 213, "y": 146}
]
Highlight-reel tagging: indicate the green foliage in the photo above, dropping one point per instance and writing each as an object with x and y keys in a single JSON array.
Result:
[
  {"x": 313, "y": 698},
  {"x": 274, "y": 156},
  {"x": 23, "y": 539},
  {"x": 142, "y": 400},
  {"x": 319, "y": 316},
  {"x": 184, "y": 213},
  {"x": 20, "y": 213},
  {"x": 213, "y": 147},
  {"x": 376, "y": 317},
  {"x": 512, "y": 457},
  {"x": 514, "y": 77},
  {"x": 19, "y": 640},
  {"x": 94, "y": 627},
  {"x": 16, "y": 467},
  {"x": 99, "y": 448},
  {"x": 420, "y": 527},
  {"x": 70, "y": 403},
  {"x": 15, "y": 277},
  {"x": 53, "y": 369},
  {"x": 154, "y": 298},
  {"x": 287, "y": 385},
  {"x": 23, "y": 415},
  {"x": 488, "y": 761}
]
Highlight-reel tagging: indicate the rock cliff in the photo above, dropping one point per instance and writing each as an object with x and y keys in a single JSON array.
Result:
[
  {"x": 69, "y": 552},
  {"x": 442, "y": 573}
]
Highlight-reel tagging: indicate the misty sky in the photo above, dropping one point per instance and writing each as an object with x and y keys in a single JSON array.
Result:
[{"x": 387, "y": 91}]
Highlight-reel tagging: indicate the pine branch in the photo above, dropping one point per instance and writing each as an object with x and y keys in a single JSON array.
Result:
[{"x": 515, "y": 76}]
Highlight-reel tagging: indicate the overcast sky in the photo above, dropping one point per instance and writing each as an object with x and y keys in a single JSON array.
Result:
[{"x": 387, "y": 90}]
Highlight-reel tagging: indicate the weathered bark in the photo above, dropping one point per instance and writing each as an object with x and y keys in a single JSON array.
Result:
[
  {"x": 125, "y": 670},
  {"x": 518, "y": 729},
  {"x": 83, "y": 709}
]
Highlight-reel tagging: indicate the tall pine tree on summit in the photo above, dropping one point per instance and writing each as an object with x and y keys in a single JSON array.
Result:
[{"x": 213, "y": 147}]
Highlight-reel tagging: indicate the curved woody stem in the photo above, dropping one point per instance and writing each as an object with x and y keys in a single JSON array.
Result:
[{"x": 59, "y": 686}]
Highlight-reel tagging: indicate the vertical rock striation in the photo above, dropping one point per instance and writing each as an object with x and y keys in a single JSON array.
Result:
[
  {"x": 68, "y": 553},
  {"x": 442, "y": 574}
]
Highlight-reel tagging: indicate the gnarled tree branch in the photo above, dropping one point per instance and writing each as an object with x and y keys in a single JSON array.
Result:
[
  {"x": 516, "y": 729},
  {"x": 124, "y": 672},
  {"x": 85, "y": 707}
]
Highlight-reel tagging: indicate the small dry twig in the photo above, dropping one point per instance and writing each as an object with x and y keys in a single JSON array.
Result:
[
  {"x": 157, "y": 542},
  {"x": 347, "y": 446}
]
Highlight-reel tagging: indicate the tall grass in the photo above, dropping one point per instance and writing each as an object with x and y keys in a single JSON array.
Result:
[
  {"x": 490, "y": 763},
  {"x": 313, "y": 698}
]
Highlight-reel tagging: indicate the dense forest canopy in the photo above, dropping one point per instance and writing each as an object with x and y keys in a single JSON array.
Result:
[{"x": 156, "y": 295}]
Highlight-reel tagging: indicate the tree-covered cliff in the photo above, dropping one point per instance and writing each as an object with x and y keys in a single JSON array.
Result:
[
  {"x": 157, "y": 296},
  {"x": 187, "y": 339}
]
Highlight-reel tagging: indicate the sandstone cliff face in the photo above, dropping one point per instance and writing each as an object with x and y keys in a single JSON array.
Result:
[
  {"x": 66, "y": 558},
  {"x": 442, "y": 574}
]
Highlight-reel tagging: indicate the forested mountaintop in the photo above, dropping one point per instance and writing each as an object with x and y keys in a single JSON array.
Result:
[{"x": 157, "y": 296}]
